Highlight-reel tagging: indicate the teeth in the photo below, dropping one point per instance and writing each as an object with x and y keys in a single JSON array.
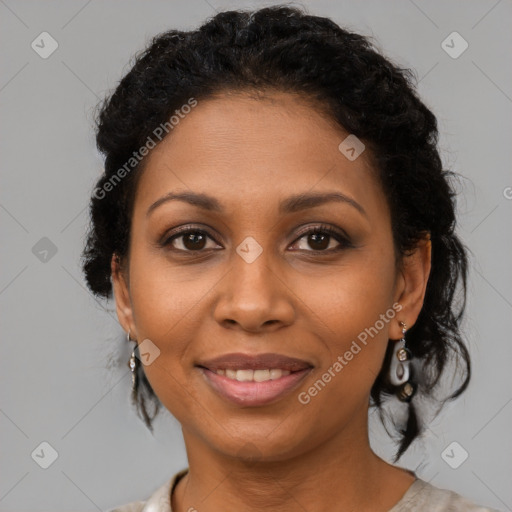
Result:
[
  {"x": 276, "y": 373},
  {"x": 261, "y": 375},
  {"x": 254, "y": 375},
  {"x": 244, "y": 375}
]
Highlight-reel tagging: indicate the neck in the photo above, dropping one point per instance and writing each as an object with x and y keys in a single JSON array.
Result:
[{"x": 342, "y": 470}]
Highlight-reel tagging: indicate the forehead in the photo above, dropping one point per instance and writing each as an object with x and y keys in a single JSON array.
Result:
[{"x": 241, "y": 146}]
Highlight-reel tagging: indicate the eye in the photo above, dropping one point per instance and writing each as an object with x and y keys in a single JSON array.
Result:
[
  {"x": 189, "y": 240},
  {"x": 320, "y": 238}
]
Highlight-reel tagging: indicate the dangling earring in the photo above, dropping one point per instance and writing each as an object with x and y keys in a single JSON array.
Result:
[
  {"x": 399, "y": 370},
  {"x": 133, "y": 365}
]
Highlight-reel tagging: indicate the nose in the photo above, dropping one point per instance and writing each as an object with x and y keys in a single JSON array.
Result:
[{"x": 253, "y": 297}]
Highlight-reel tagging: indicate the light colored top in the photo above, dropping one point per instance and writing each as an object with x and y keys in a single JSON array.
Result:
[{"x": 419, "y": 497}]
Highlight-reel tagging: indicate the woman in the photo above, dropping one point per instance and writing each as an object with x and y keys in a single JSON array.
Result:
[{"x": 277, "y": 230}]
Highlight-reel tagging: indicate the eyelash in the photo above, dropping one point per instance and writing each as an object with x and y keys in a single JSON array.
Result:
[{"x": 321, "y": 229}]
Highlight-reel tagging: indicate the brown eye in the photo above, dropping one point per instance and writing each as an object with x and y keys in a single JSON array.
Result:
[
  {"x": 319, "y": 241},
  {"x": 323, "y": 239},
  {"x": 190, "y": 240},
  {"x": 194, "y": 241}
]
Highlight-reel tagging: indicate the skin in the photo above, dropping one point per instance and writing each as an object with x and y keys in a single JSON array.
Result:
[{"x": 250, "y": 153}]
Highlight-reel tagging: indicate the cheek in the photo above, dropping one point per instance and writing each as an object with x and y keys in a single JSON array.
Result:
[
  {"x": 167, "y": 305},
  {"x": 164, "y": 294},
  {"x": 355, "y": 311}
]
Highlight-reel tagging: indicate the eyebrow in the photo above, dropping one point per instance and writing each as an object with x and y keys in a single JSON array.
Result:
[{"x": 291, "y": 204}]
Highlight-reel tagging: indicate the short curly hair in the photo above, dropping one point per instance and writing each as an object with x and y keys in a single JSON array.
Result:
[{"x": 285, "y": 49}]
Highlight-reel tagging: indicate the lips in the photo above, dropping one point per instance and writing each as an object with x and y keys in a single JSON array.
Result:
[
  {"x": 253, "y": 394},
  {"x": 241, "y": 361},
  {"x": 284, "y": 375}
]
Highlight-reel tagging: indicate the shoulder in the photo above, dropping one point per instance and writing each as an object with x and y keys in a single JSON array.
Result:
[
  {"x": 158, "y": 501},
  {"x": 134, "y": 506},
  {"x": 422, "y": 495}
]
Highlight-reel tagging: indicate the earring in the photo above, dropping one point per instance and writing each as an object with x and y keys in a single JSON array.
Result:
[
  {"x": 133, "y": 364},
  {"x": 399, "y": 370}
]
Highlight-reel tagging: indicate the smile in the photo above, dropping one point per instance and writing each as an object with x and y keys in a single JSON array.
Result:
[
  {"x": 253, "y": 375},
  {"x": 251, "y": 388}
]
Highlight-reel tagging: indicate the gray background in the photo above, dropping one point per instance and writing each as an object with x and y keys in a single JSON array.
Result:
[{"x": 63, "y": 364}]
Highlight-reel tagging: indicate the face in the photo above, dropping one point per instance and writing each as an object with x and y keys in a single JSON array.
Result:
[{"x": 251, "y": 277}]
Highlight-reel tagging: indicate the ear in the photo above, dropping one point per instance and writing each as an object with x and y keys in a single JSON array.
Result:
[
  {"x": 120, "y": 287},
  {"x": 412, "y": 285}
]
